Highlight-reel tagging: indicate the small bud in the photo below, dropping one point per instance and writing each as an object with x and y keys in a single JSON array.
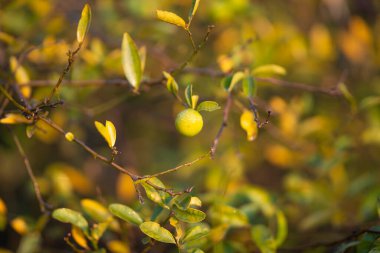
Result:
[{"x": 69, "y": 136}]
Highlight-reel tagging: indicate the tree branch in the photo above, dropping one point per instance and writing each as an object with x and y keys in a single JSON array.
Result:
[
  {"x": 30, "y": 171},
  {"x": 226, "y": 113}
]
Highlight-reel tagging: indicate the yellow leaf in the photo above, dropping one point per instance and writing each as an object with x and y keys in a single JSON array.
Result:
[
  {"x": 118, "y": 247},
  {"x": 108, "y": 132},
  {"x": 111, "y": 131},
  {"x": 125, "y": 188},
  {"x": 84, "y": 23},
  {"x": 269, "y": 70},
  {"x": 19, "y": 225},
  {"x": 247, "y": 122},
  {"x": 142, "y": 54},
  {"x": 193, "y": 9},
  {"x": 21, "y": 77},
  {"x": 14, "y": 118},
  {"x": 172, "y": 18},
  {"x": 79, "y": 237}
]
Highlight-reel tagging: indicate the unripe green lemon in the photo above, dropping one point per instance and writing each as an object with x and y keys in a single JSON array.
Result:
[{"x": 189, "y": 122}]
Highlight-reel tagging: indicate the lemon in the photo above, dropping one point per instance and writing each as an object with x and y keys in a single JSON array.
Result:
[{"x": 189, "y": 122}]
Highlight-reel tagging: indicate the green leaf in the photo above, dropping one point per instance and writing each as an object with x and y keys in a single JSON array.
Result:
[
  {"x": 131, "y": 61},
  {"x": 196, "y": 251},
  {"x": 125, "y": 213},
  {"x": 237, "y": 77},
  {"x": 170, "y": 17},
  {"x": 171, "y": 83},
  {"x": 30, "y": 243},
  {"x": 348, "y": 96},
  {"x": 208, "y": 106},
  {"x": 282, "y": 228},
  {"x": 263, "y": 239},
  {"x": 153, "y": 194},
  {"x": 249, "y": 86},
  {"x": 84, "y": 23},
  {"x": 193, "y": 9},
  {"x": 158, "y": 233},
  {"x": 189, "y": 215},
  {"x": 30, "y": 130},
  {"x": 226, "y": 82},
  {"x": 223, "y": 214},
  {"x": 183, "y": 200},
  {"x": 269, "y": 70},
  {"x": 196, "y": 233},
  {"x": 75, "y": 218},
  {"x": 369, "y": 102},
  {"x": 189, "y": 95},
  {"x": 95, "y": 210}
]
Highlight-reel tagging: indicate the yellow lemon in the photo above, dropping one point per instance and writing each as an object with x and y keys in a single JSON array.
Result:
[{"x": 189, "y": 122}]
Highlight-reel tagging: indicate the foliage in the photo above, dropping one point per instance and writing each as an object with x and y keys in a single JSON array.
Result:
[{"x": 293, "y": 164}]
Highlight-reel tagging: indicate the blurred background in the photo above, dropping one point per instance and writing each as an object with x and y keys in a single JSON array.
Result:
[{"x": 318, "y": 159}]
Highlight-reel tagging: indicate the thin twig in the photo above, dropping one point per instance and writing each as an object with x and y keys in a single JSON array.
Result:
[
  {"x": 191, "y": 39},
  {"x": 333, "y": 91},
  {"x": 91, "y": 151},
  {"x": 171, "y": 192},
  {"x": 253, "y": 108},
  {"x": 226, "y": 113},
  {"x": 188, "y": 164},
  {"x": 195, "y": 52},
  {"x": 30, "y": 171},
  {"x": 15, "y": 103},
  {"x": 70, "y": 61}
]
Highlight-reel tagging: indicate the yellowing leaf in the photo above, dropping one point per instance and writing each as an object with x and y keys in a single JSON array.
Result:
[
  {"x": 79, "y": 237},
  {"x": 131, "y": 61},
  {"x": 282, "y": 228},
  {"x": 84, "y": 23},
  {"x": 269, "y": 70},
  {"x": 189, "y": 215},
  {"x": 142, "y": 54},
  {"x": 108, "y": 132},
  {"x": 95, "y": 210},
  {"x": 193, "y": 9},
  {"x": 170, "y": 17},
  {"x": 195, "y": 201},
  {"x": 247, "y": 122},
  {"x": 118, "y": 247},
  {"x": 19, "y": 225},
  {"x": 125, "y": 188},
  {"x": 69, "y": 136},
  {"x": 158, "y": 233},
  {"x": 225, "y": 63},
  {"x": 237, "y": 77},
  {"x": 3, "y": 215},
  {"x": 21, "y": 77},
  {"x": 171, "y": 83},
  {"x": 14, "y": 118}
]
